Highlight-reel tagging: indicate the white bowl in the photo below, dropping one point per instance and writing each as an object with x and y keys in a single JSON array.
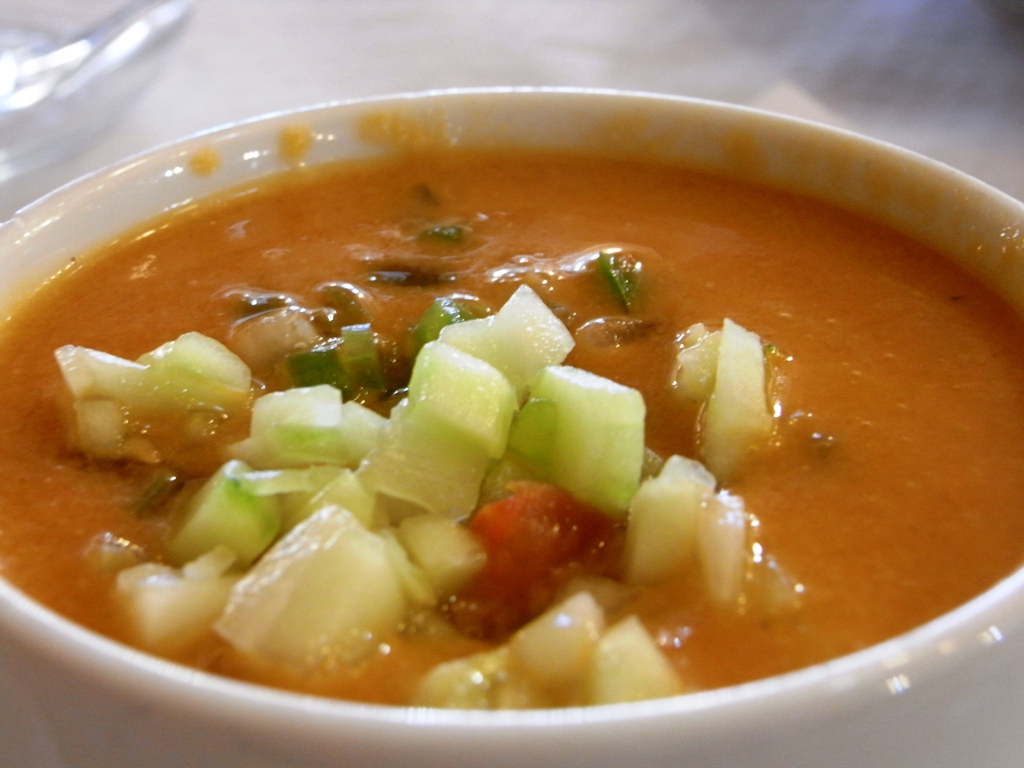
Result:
[{"x": 949, "y": 693}]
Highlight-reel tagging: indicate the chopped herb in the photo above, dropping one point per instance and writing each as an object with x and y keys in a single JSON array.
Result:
[
  {"x": 451, "y": 233},
  {"x": 163, "y": 485},
  {"x": 360, "y": 358},
  {"x": 320, "y": 365},
  {"x": 444, "y": 311},
  {"x": 622, "y": 273}
]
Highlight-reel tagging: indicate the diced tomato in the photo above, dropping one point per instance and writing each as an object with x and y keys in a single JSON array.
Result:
[{"x": 536, "y": 540}]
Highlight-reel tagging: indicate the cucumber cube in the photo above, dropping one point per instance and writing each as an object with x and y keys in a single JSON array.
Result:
[
  {"x": 519, "y": 340},
  {"x": 598, "y": 444},
  {"x": 425, "y": 463},
  {"x": 324, "y": 594},
  {"x": 663, "y": 519},
  {"x": 195, "y": 371},
  {"x": 737, "y": 417},
  {"x": 295, "y": 428},
  {"x": 169, "y": 609},
  {"x": 629, "y": 666},
  {"x": 555, "y": 650},
  {"x": 723, "y": 547},
  {"x": 463, "y": 393},
  {"x": 532, "y": 435},
  {"x": 225, "y": 512},
  {"x": 93, "y": 374},
  {"x": 446, "y": 551}
]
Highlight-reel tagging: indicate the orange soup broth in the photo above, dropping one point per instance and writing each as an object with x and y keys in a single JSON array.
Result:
[{"x": 892, "y": 489}]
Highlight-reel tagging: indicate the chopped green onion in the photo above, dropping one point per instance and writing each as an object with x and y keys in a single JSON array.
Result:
[
  {"x": 163, "y": 485},
  {"x": 320, "y": 365},
  {"x": 443, "y": 312},
  {"x": 622, "y": 273},
  {"x": 451, "y": 233},
  {"x": 360, "y": 359}
]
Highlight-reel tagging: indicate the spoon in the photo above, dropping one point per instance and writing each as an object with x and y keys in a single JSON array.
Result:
[{"x": 54, "y": 96}]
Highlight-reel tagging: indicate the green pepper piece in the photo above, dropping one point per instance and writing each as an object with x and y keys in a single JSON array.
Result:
[
  {"x": 622, "y": 273},
  {"x": 444, "y": 311},
  {"x": 162, "y": 486},
  {"x": 320, "y": 365},
  {"x": 360, "y": 358}
]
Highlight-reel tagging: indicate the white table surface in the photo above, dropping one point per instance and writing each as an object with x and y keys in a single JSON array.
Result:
[{"x": 942, "y": 77}]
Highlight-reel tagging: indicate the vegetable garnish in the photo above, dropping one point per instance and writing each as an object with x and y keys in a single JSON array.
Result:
[
  {"x": 622, "y": 272},
  {"x": 360, "y": 359},
  {"x": 443, "y": 312},
  {"x": 320, "y": 365},
  {"x": 164, "y": 483}
]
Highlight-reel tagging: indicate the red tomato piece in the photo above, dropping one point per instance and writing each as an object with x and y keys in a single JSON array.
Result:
[{"x": 536, "y": 540}]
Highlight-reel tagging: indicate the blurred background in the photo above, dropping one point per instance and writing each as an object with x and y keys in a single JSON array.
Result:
[{"x": 942, "y": 77}]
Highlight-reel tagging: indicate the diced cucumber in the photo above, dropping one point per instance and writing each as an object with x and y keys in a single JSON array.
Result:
[
  {"x": 480, "y": 681},
  {"x": 360, "y": 431},
  {"x": 225, "y": 513},
  {"x": 519, "y": 340},
  {"x": 737, "y": 417},
  {"x": 274, "y": 482},
  {"x": 101, "y": 428},
  {"x": 169, "y": 609},
  {"x": 532, "y": 437},
  {"x": 425, "y": 463},
  {"x": 418, "y": 590},
  {"x": 697, "y": 363},
  {"x": 663, "y": 519},
  {"x": 195, "y": 371},
  {"x": 295, "y": 428},
  {"x": 722, "y": 547},
  {"x": 443, "y": 312},
  {"x": 360, "y": 359},
  {"x": 555, "y": 650},
  {"x": 93, "y": 374},
  {"x": 326, "y": 593},
  {"x": 629, "y": 666},
  {"x": 345, "y": 491},
  {"x": 316, "y": 366},
  {"x": 598, "y": 445},
  {"x": 463, "y": 393},
  {"x": 448, "y": 553}
]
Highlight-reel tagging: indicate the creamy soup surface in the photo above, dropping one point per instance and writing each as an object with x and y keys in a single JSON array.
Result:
[{"x": 890, "y": 491}]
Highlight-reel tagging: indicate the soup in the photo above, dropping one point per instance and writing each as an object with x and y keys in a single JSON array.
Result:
[{"x": 885, "y": 494}]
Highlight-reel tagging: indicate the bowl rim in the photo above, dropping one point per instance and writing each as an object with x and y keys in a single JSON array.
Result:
[{"x": 865, "y": 675}]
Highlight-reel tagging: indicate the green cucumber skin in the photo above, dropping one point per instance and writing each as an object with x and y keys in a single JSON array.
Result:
[
  {"x": 598, "y": 444},
  {"x": 225, "y": 512}
]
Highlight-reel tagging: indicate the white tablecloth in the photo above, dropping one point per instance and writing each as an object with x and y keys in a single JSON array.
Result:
[{"x": 943, "y": 77}]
